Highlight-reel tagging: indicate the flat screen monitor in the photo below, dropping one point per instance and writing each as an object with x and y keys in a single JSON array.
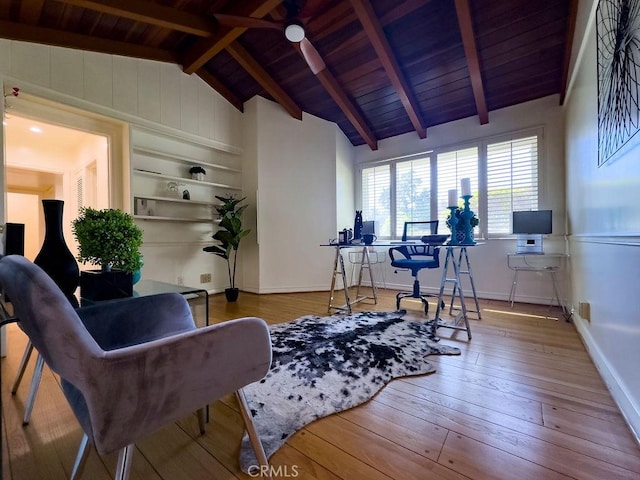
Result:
[{"x": 532, "y": 222}]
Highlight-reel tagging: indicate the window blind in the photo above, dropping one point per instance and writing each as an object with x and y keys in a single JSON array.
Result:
[
  {"x": 512, "y": 181},
  {"x": 452, "y": 167},
  {"x": 413, "y": 192},
  {"x": 376, "y": 197}
]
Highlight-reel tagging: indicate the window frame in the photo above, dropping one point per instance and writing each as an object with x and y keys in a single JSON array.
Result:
[{"x": 432, "y": 154}]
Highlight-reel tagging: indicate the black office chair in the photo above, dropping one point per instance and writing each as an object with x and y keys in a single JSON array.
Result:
[{"x": 416, "y": 257}]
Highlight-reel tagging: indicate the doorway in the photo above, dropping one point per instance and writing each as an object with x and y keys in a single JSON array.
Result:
[{"x": 47, "y": 161}]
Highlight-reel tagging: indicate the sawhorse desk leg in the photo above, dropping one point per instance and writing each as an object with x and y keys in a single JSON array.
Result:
[
  {"x": 338, "y": 270},
  {"x": 464, "y": 256},
  {"x": 437, "y": 322}
]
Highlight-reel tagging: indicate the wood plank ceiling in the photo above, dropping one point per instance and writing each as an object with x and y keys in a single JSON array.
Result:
[{"x": 384, "y": 67}]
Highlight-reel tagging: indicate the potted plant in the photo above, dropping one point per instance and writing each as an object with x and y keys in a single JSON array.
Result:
[
  {"x": 197, "y": 172},
  {"x": 228, "y": 238},
  {"x": 111, "y": 239}
]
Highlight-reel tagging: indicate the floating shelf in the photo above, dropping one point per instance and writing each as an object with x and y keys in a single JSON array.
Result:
[
  {"x": 183, "y": 180},
  {"x": 187, "y": 160}
]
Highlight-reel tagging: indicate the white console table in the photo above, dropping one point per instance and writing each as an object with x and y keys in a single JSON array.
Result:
[{"x": 538, "y": 262}]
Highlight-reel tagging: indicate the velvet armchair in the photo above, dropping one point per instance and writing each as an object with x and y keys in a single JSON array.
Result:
[{"x": 128, "y": 368}]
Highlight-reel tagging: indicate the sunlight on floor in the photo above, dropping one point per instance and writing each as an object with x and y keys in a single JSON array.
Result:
[{"x": 516, "y": 314}]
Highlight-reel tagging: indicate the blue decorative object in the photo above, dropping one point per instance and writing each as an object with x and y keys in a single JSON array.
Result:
[
  {"x": 453, "y": 222},
  {"x": 466, "y": 227}
]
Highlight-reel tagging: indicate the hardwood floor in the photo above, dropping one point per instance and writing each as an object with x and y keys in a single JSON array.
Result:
[{"x": 522, "y": 401}]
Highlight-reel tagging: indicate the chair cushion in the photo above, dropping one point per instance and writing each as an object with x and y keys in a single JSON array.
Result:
[{"x": 415, "y": 264}]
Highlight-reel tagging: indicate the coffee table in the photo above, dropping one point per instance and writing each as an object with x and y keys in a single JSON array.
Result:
[{"x": 145, "y": 288}]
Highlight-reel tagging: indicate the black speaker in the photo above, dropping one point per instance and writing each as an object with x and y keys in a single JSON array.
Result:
[{"x": 14, "y": 239}]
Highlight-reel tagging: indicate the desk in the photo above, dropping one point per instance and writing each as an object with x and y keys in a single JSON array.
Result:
[
  {"x": 537, "y": 262},
  {"x": 338, "y": 270},
  {"x": 451, "y": 262}
]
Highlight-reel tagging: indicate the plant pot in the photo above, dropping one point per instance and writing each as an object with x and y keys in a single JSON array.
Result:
[
  {"x": 98, "y": 285},
  {"x": 231, "y": 294}
]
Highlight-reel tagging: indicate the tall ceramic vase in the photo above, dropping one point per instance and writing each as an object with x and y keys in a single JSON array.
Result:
[{"x": 55, "y": 258}]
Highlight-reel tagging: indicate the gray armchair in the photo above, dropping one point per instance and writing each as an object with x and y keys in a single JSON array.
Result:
[{"x": 128, "y": 368}]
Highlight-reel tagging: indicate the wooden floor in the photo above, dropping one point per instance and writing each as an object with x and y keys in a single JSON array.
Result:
[{"x": 523, "y": 401}]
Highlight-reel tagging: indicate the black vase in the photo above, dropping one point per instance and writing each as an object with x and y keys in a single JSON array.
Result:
[{"x": 55, "y": 258}]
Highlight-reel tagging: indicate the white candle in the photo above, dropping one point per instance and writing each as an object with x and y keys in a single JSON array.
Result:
[
  {"x": 465, "y": 186},
  {"x": 453, "y": 198}
]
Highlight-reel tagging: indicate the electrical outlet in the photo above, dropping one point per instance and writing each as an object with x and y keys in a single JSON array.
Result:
[
  {"x": 205, "y": 277},
  {"x": 584, "y": 310},
  {"x": 180, "y": 280}
]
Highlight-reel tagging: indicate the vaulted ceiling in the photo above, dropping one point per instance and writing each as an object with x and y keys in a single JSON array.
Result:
[{"x": 377, "y": 68}]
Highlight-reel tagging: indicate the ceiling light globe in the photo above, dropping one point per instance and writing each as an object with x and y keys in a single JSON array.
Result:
[{"x": 294, "y": 32}]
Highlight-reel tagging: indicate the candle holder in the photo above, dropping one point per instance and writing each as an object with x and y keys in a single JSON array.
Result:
[
  {"x": 453, "y": 222},
  {"x": 465, "y": 227}
]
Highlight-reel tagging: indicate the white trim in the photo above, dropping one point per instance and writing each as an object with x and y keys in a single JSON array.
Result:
[
  {"x": 624, "y": 399},
  {"x": 52, "y": 95}
]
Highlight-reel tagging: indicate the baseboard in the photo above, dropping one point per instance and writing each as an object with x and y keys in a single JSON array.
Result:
[{"x": 630, "y": 410}]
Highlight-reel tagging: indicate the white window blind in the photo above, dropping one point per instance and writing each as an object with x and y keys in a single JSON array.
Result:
[
  {"x": 376, "y": 197},
  {"x": 512, "y": 181},
  {"x": 413, "y": 192},
  {"x": 452, "y": 167}
]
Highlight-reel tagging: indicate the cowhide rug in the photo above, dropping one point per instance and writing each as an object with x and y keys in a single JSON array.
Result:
[{"x": 324, "y": 365}]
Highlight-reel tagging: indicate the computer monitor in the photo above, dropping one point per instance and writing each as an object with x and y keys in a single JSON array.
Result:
[
  {"x": 530, "y": 226},
  {"x": 369, "y": 226},
  {"x": 532, "y": 222}
]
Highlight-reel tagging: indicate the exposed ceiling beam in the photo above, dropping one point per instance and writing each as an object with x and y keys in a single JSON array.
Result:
[
  {"x": 206, "y": 48},
  {"x": 568, "y": 45},
  {"x": 49, "y": 36},
  {"x": 350, "y": 109},
  {"x": 265, "y": 80},
  {"x": 377, "y": 37},
  {"x": 471, "y": 52},
  {"x": 30, "y": 11},
  {"x": 221, "y": 88},
  {"x": 152, "y": 14}
]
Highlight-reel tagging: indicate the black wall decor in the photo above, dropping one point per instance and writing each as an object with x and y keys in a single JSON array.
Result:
[{"x": 618, "y": 52}]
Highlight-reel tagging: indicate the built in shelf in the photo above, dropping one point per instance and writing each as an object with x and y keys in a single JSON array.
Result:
[
  {"x": 159, "y": 218},
  {"x": 177, "y": 200},
  {"x": 184, "y": 180},
  {"x": 187, "y": 160}
]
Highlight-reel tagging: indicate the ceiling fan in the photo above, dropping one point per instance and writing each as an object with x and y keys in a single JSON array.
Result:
[{"x": 293, "y": 28}]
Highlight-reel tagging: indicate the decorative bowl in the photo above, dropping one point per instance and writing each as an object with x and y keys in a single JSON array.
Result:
[{"x": 434, "y": 239}]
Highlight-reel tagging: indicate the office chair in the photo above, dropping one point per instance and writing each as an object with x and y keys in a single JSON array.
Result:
[
  {"x": 129, "y": 368},
  {"x": 416, "y": 257}
]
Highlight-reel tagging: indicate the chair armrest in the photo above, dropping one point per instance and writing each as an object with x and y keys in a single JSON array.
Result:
[
  {"x": 155, "y": 383},
  {"x": 401, "y": 250},
  {"x": 136, "y": 320}
]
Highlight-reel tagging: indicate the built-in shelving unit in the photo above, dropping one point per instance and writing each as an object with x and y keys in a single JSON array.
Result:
[{"x": 162, "y": 188}]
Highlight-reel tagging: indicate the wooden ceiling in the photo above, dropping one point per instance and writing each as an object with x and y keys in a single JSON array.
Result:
[{"x": 392, "y": 66}]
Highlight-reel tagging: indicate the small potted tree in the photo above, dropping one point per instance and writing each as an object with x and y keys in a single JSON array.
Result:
[
  {"x": 228, "y": 238},
  {"x": 111, "y": 239}
]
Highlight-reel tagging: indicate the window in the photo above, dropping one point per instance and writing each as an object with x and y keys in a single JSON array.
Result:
[
  {"x": 512, "y": 181},
  {"x": 376, "y": 198},
  {"x": 503, "y": 173},
  {"x": 452, "y": 167},
  {"x": 413, "y": 192}
]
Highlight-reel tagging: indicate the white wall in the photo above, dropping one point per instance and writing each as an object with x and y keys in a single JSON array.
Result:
[
  {"x": 293, "y": 170},
  {"x": 604, "y": 222},
  {"x": 141, "y": 92},
  {"x": 489, "y": 261}
]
